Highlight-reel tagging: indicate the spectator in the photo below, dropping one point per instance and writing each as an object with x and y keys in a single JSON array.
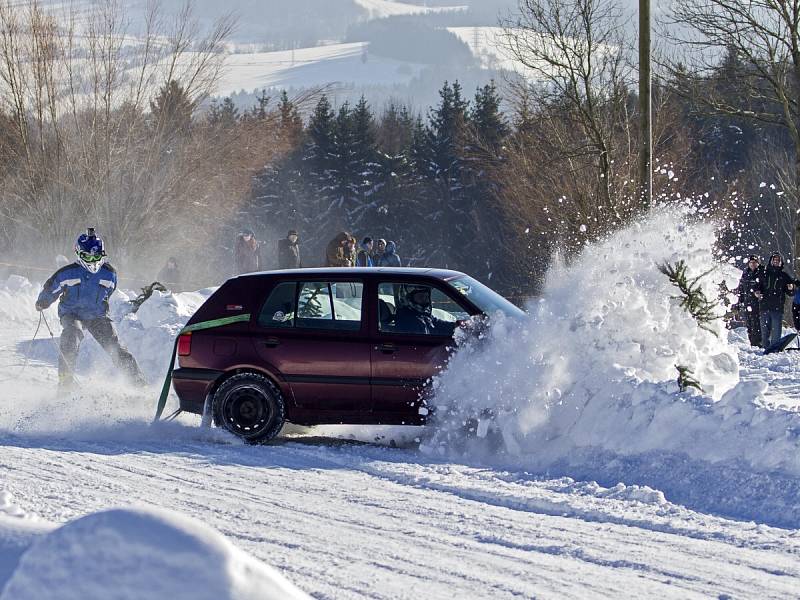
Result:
[
  {"x": 170, "y": 275},
  {"x": 773, "y": 288},
  {"x": 380, "y": 248},
  {"x": 364, "y": 256},
  {"x": 389, "y": 258},
  {"x": 289, "y": 251},
  {"x": 748, "y": 302},
  {"x": 335, "y": 253},
  {"x": 796, "y": 307},
  {"x": 246, "y": 253},
  {"x": 350, "y": 251}
]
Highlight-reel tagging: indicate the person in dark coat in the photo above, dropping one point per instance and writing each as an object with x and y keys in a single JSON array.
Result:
[
  {"x": 247, "y": 258},
  {"x": 364, "y": 255},
  {"x": 289, "y": 252},
  {"x": 83, "y": 289},
  {"x": 170, "y": 275},
  {"x": 380, "y": 248},
  {"x": 336, "y": 252},
  {"x": 749, "y": 307},
  {"x": 389, "y": 258},
  {"x": 773, "y": 288}
]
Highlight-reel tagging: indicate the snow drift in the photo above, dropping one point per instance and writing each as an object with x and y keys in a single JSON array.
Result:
[
  {"x": 132, "y": 554},
  {"x": 590, "y": 375}
]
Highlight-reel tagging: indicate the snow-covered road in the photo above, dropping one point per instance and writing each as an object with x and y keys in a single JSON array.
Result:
[{"x": 345, "y": 520}]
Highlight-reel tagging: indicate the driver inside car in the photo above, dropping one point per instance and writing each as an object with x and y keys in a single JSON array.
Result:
[{"x": 415, "y": 313}]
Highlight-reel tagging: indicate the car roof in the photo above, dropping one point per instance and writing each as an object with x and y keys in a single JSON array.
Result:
[{"x": 361, "y": 271}]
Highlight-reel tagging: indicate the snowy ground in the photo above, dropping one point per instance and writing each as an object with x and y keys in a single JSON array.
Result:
[{"x": 367, "y": 513}]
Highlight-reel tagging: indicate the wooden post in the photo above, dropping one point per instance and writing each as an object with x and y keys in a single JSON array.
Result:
[{"x": 645, "y": 107}]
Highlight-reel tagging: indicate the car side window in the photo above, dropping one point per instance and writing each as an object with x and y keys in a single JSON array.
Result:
[
  {"x": 417, "y": 308},
  {"x": 279, "y": 309},
  {"x": 330, "y": 305}
]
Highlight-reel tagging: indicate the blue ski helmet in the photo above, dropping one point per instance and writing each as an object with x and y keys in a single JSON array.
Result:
[{"x": 90, "y": 251}]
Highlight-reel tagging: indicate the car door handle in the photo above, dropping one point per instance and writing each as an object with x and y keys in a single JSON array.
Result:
[
  {"x": 271, "y": 342},
  {"x": 386, "y": 348}
]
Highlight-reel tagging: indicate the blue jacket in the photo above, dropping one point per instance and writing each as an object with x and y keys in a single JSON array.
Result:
[
  {"x": 84, "y": 295},
  {"x": 389, "y": 258},
  {"x": 363, "y": 259}
]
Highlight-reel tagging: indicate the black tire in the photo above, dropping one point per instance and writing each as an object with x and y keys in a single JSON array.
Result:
[{"x": 250, "y": 407}]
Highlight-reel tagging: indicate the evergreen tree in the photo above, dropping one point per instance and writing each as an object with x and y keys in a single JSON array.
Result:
[
  {"x": 224, "y": 115},
  {"x": 442, "y": 165},
  {"x": 260, "y": 110},
  {"x": 488, "y": 132},
  {"x": 291, "y": 121},
  {"x": 489, "y": 125},
  {"x": 172, "y": 110}
]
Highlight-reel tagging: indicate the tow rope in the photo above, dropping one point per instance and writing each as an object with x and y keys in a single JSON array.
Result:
[{"x": 162, "y": 399}]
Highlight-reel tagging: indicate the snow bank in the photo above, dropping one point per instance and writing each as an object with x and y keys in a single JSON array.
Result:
[
  {"x": 590, "y": 374},
  {"x": 140, "y": 553}
]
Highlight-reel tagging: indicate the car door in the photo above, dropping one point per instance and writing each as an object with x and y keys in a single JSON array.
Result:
[
  {"x": 315, "y": 335},
  {"x": 404, "y": 358}
]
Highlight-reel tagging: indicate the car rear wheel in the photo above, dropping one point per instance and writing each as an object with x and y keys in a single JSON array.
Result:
[{"x": 249, "y": 406}]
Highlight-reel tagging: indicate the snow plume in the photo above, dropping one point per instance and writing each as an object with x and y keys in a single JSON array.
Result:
[{"x": 589, "y": 376}]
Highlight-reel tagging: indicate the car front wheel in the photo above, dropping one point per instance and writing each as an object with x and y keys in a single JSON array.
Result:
[{"x": 249, "y": 406}]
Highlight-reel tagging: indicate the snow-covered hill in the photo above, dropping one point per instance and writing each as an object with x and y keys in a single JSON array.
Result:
[
  {"x": 378, "y": 9},
  {"x": 338, "y": 65}
]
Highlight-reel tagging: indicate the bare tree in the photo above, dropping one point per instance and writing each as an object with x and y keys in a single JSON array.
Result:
[
  {"x": 762, "y": 37},
  {"x": 574, "y": 51},
  {"x": 75, "y": 89}
]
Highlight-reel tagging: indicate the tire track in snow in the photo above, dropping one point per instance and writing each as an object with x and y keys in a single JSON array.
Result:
[{"x": 446, "y": 541}]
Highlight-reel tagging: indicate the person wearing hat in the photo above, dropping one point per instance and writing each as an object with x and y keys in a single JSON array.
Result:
[
  {"x": 289, "y": 251},
  {"x": 246, "y": 254},
  {"x": 771, "y": 292},
  {"x": 749, "y": 307}
]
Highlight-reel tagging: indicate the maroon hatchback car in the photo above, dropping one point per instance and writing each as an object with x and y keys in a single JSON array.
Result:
[{"x": 325, "y": 346}]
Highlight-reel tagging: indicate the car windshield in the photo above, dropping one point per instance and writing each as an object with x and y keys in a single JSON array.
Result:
[{"x": 483, "y": 297}]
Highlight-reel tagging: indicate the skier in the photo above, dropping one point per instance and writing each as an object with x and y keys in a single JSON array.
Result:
[
  {"x": 771, "y": 291},
  {"x": 83, "y": 289},
  {"x": 389, "y": 258},
  {"x": 748, "y": 303}
]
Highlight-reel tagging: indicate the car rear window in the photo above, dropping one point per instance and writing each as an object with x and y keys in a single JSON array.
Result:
[{"x": 314, "y": 305}]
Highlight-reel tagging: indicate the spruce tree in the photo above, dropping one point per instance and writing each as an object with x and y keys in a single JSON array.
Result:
[
  {"x": 224, "y": 115},
  {"x": 172, "y": 110}
]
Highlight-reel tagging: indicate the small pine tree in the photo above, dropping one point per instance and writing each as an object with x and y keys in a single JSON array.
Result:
[
  {"x": 224, "y": 115},
  {"x": 686, "y": 379},
  {"x": 693, "y": 299},
  {"x": 172, "y": 110}
]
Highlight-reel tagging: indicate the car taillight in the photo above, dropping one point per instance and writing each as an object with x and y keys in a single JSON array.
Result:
[{"x": 185, "y": 344}]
